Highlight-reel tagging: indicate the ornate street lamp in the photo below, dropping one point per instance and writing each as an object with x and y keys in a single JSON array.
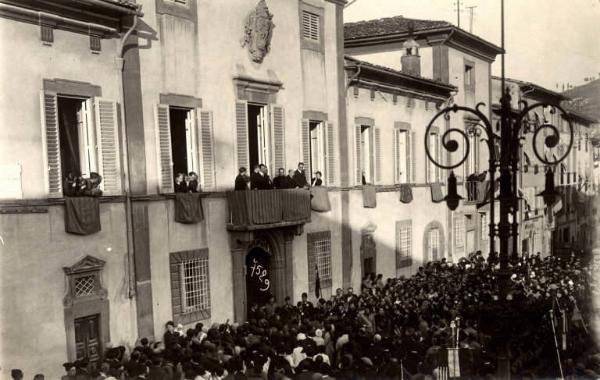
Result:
[{"x": 503, "y": 167}]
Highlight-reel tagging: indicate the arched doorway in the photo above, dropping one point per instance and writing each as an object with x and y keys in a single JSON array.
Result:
[{"x": 258, "y": 276}]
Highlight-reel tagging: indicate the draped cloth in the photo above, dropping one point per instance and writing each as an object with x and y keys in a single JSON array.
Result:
[
  {"x": 320, "y": 199},
  {"x": 188, "y": 208},
  {"x": 82, "y": 215},
  {"x": 406, "y": 195},
  {"x": 295, "y": 205},
  {"x": 369, "y": 196},
  {"x": 437, "y": 195}
]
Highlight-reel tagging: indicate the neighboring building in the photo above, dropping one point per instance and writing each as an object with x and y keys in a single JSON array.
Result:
[
  {"x": 399, "y": 89},
  {"x": 194, "y": 94}
]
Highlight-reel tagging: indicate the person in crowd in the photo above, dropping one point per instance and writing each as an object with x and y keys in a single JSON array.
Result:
[
  {"x": 317, "y": 181},
  {"x": 267, "y": 182},
  {"x": 180, "y": 184},
  {"x": 279, "y": 180},
  {"x": 71, "y": 372},
  {"x": 39, "y": 376},
  {"x": 300, "y": 176},
  {"x": 16, "y": 374},
  {"x": 255, "y": 178},
  {"x": 193, "y": 183},
  {"x": 242, "y": 180}
]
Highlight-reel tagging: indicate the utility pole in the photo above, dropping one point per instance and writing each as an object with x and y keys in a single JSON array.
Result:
[{"x": 471, "y": 16}]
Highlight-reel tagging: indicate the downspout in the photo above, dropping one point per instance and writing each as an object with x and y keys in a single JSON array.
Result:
[
  {"x": 359, "y": 67},
  {"x": 119, "y": 63}
]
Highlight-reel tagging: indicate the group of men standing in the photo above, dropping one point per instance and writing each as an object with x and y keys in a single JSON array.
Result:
[{"x": 259, "y": 179}]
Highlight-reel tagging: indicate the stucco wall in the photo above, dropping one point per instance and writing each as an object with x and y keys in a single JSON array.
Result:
[{"x": 35, "y": 249}]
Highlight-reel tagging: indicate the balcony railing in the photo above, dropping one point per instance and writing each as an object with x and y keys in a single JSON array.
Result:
[{"x": 262, "y": 209}]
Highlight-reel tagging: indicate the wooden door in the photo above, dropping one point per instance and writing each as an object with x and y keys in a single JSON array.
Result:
[{"x": 87, "y": 338}]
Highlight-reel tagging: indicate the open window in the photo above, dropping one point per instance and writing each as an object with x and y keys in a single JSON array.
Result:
[
  {"x": 368, "y": 154},
  {"x": 81, "y": 137},
  {"x": 433, "y": 172},
  {"x": 184, "y": 141}
]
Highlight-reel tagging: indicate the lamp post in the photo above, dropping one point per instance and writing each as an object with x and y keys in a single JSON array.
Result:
[{"x": 503, "y": 167}]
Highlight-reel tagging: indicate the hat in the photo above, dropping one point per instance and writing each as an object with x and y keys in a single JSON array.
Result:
[
  {"x": 300, "y": 336},
  {"x": 319, "y": 333},
  {"x": 68, "y": 365}
]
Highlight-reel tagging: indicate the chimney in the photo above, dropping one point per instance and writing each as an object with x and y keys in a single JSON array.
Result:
[{"x": 411, "y": 61}]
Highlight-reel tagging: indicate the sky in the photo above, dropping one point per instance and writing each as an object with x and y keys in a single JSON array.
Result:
[{"x": 548, "y": 42}]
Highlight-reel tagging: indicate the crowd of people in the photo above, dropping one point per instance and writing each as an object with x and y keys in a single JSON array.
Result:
[
  {"x": 399, "y": 328},
  {"x": 259, "y": 179}
]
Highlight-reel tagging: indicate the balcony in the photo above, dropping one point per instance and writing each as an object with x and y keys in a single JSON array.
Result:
[
  {"x": 476, "y": 191},
  {"x": 263, "y": 209}
]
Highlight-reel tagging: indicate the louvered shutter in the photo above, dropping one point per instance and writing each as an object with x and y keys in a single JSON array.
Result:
[
  {"x": 49, "y": 112},
  {"x": 357, "y": 156},
  {"x": 377, "y": 134},
  {"x": 107, "y": 135},
  {"x": 441, "y": 160},
  {"x": 163, "y": 149},
  {"x": 396, "y": 142},
  {"x": 412, "y": 156},
  {"x": 331, "y": 157},
  {"x": 241, "y": 132},
  {"x": 306, "y": 148},
  {"x": 278, "y": 148},
  {"x": 206, "y": 147}
]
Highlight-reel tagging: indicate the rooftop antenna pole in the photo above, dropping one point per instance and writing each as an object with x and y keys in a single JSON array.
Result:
[
  {"x": 458, "y": 13},
  {"x": 471, "y": 16}
]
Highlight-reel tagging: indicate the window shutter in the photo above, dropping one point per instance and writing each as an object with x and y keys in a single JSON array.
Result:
[
  {"x": 330, "y": 155},
  {"x": 438, "y": 170},
  {"x": 241, "y": 130},
  {"x": 377, "y": 155},
  {"x": 49, "y": 112},
  {"x": 412, "y": 155},
  {"x": 396, "y": 142},
  {"x": 163, "y": 149},
  {"x": 278, "y": 141},
  {"x": 357, "y": 157},
  {"x": 107, "y": 135},
  {"x": 207, "y": 149},
  {"x": 306, "y": 148}
]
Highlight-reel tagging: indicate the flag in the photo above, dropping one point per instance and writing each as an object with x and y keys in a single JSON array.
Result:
[{"x": 317, "y": 282}]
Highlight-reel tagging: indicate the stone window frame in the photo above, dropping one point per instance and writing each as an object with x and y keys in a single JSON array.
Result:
[
  {"x": 306, "y": 43},
  {"x": 469, "y": 63},
  {"x": 187, "y": 10},
  {"x": 442, "y": 243},
  {"x": 94, "y": 304},
  {"x": 175, "y": 260},
  {"x": 311, "y": 238}
]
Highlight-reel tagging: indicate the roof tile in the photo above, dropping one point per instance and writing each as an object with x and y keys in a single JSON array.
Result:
[{"x": 389, "y": 25}]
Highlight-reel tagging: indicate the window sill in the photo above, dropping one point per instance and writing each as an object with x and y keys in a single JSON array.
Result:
[{"x": 193, "y": 316}]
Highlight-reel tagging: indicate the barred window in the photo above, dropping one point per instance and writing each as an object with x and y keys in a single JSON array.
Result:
[
  {"x": 485, "y": 228},
  {"x": 194, "y": 290},
  {"x": 85, "y": 285},
  {"x": 190, "y": 286},
  {"x": 311, "y": 26},
  {"x": 319, "y": 258},
  {"x": 434, "y": 244},
  {"x": 403, "y": 243}
]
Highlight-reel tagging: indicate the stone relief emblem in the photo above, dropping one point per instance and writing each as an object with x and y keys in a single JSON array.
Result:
[{"x": 257, "y": 32}]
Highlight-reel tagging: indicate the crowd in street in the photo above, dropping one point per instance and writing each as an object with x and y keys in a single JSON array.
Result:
[{"x": 400, "y": 328}]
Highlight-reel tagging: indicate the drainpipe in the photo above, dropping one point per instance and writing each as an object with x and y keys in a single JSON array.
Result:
[
  {"x": 119, "y": 64},
  {"x": 359, "y": 67}
]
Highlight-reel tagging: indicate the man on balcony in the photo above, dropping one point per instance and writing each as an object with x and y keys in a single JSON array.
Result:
[
  {"x": 300, "y": 176},
  {"x": 241, "y": 181}
]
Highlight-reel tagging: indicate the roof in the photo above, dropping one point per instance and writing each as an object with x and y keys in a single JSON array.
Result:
[
  {"x": 387, "y": 76},
  {"x": 389, "y": 25},
  {"x": 395, "y": 29},
  {"x": 580, "y": 116},
  {"x": 586, "y": 98},
  {"x": 535, "y": 87},
  {"x": 125, "y": 3}
]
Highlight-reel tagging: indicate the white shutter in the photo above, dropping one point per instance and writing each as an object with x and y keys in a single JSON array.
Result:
[
  {"x": 51, "y": 143},
  {"x": 306, "y": 149},
  {"x": 413, "y": 157},
  {"x": 377, "y": 144},
  {"x": 163, "y": 149},
  {"x": 331, "y": 158},
  {"x": 107, "y": 135},
  {"x": 278, "y": 140},
  {"x": 206, "y": 147},
  {"x": 357, "y": 160},
  {"x": 241, "y": 131},
  {"x": 396, "y": 141}
]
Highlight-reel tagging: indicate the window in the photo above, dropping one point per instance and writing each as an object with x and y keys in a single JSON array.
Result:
[
  {"x": 469, "y": 76},
  {"x": 78, "y": 153},
  {"x": 311, "y": 28},
  {"x": 432, "y": 170},
  {"x": 485, "y": 228},
  {"x": 403, "y": 244},
  {"x": 472, "y": 162},
  {"x": 368, "y": 152},
  {"x": 459, "y": 233},
  {"x": 401, "y": 155},
  {"x": 366, "y": 148},
  {"x": 317, "y": 148},
  {"x": 184, "y": 142},
  {"x": 85, "y": 285},
  {"x": 433, "y": 246},
  {"x": 319, "y": 259},
  {"x": 190, "y": 286}
]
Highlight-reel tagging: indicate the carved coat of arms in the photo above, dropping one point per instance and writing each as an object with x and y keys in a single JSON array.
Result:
[{"x": 257, "y": 32}]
